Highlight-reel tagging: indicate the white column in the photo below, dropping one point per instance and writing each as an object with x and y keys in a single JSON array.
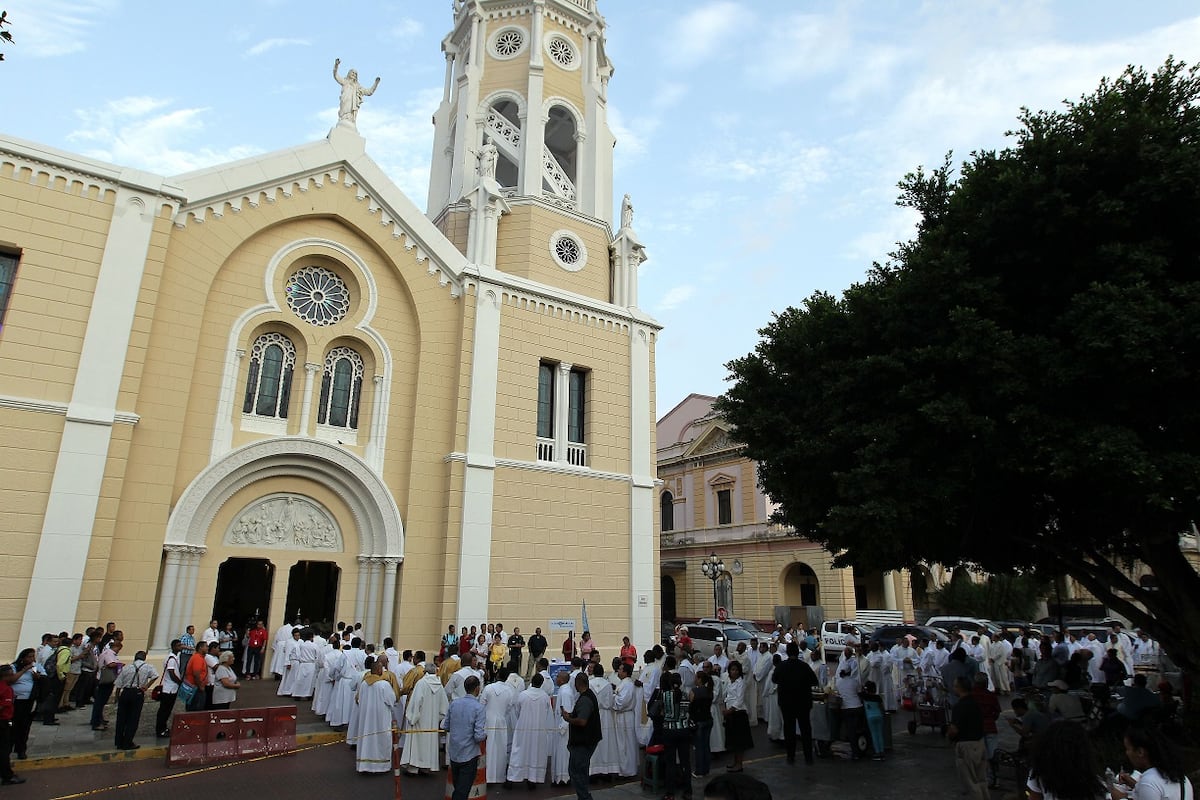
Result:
[
  {"x": 643, "y": 622},
  {"x": 562, "y": 407},
  {"x": 223, "y": 429},
  {"x": 889, "y": 591},
  {"x": 375, "y": 444},
  {"x": 533, "y": 131},
  {"x": 475, "y": 543},
  {"x": 306, "y": 402},
  {"x": 360, "y": 591},
  {"x": 387, "y": 622},
  {"x": 371, "y": 623},
  {"x": 166, "y": 598},
  {"x": 52, "y": 602},
  {"x": 186, "y": 596}
]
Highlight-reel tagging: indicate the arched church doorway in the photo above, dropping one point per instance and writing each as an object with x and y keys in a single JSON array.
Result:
[
  {"x": 800, "y": 586},
  {"x": 243, "y": 591},
  {"x": 312, "y": 592},
  {"x": 667, "y": 586}
]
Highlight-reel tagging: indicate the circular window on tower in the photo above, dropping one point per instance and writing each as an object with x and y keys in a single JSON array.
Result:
[
  {"x": 568, "y": 251},
  {"x": 508, "y": 42},
  {"x": 562, "y": 51},
  {"x": 318, "y": 296}
]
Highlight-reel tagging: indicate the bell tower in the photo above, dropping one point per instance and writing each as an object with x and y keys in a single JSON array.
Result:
[{"x": 528, "y": 78}]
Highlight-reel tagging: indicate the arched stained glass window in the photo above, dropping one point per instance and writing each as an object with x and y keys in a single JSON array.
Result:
[
  {"x": 341, "y": 389},
  {"x": 269, "y": 379}
]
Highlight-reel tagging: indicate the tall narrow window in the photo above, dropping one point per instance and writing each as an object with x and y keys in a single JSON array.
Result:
[
  {"x": 724, "y": 507},
  {"x": 8, "y": 274},
  {"x": 575, "y": 410},
  {"x": 269, "y": 379},
  {"x": 545, "y": 406},
  {"x": 667, "y": 510},
  {"x": 341, "y": 389}
]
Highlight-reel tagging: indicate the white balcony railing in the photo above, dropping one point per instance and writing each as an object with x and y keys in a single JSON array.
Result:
[
  {"x": 545, "y": 449},
  {"x": 576, "y": 454},
  {"x": 752, "y": 531}
]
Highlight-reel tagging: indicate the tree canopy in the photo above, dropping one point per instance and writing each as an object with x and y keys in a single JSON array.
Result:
[{"x": 1017, "y": 388}]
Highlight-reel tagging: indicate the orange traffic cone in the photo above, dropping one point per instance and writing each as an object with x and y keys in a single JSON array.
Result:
[{"x": 479, "y": 787}]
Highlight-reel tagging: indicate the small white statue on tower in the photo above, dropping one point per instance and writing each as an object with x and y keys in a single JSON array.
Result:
[
  {"x": 488, "y": 156},
  {"x": 353, "y": 93},
  {"x": 626, "y": 212}
]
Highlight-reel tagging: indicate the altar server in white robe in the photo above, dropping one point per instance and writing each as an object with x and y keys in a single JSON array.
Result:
[
  {"x": 279, "y": 648},
  {"x": 999, "y": 655},
  {"x": 426, "y": 710},
  {"x": 626, "y": 706},
  {"x": 496, "y": 698},
  {"x": 456, "y": 685},
  {"x": 354, "y": 725},
  {"x": 716, "y": 740},
  {"x": 742, "y": 655},
  {"x": 564, "y": 701},
  {"x": 771, "y": 704},
  {"x": 304, "y": 666},
  {"x": 341, "y": 702},
  {"x": 762, "y": 676},
  {"x": 376, "y": 698},
  {"x": 289, "y": 676},
  {"x": 605, "y": 760},
  {"x": 530, "y": 742},
  {"x": 331, "y": 669}
]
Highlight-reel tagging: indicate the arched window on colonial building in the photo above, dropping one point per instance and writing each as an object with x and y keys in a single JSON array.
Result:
[
  {"x": 269, "y": 379},
  {"x": 341, "y": 389},
  {"x": 667, "y": 510}
]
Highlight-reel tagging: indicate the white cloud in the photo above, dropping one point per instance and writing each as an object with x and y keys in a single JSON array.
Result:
[
  {"x": 405, "y": 28},
  {"x": 703, "y": 33},
  {"x": 271, "y": 44},
  {"x": 803, "y": 46},
  {"x": 785, "y": 164},
  {"x": 141, "y": 132},
  {"x": 48, "y": 28},
  {"x": 675, "y": 297},
  {"x": 400, "y": 139}
]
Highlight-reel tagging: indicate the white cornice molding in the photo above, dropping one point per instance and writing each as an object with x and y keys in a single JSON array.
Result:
[
  {"x": 60, "y": 409},
  {"x": 546, "y": 466}
]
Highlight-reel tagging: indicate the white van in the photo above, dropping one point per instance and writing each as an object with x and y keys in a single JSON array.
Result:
[{"x": 835, "y": 632}]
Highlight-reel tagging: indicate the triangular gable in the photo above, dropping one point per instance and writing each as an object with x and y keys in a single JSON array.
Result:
[
  {"x": 672, "y": 425},
  {"x": 722, "y": 478},
  {"x": 716, "y": 437},
  {"x": 340, "y": 157}
]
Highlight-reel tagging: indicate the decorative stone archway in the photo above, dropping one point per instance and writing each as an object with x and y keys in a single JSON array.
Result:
[{"x": 376, "y": 517}]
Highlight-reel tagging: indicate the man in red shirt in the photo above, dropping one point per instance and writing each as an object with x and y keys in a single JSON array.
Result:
[
  {"x": 256, "y": 642},
  {"x": 628, "y": 652},
  {"x": 683, "y": 640},
  {"x": 196, "y": 674},
  {"x": 7, "y": 676}
]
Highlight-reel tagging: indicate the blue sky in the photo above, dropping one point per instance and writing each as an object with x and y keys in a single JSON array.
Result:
[{"x": 761, "y": 142}]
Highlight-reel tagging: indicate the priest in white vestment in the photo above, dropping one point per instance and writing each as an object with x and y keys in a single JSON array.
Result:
[
  {"x": 279, "y": 649},
  {"x": 626, "y": 705},
  {"x": 604, "y": 759},
  {"x": 304, "y": 666},
  {"x": 341, "y": 702},
  {"x": 742, "y": 656},
  {"x": 496, "y": 699},
  {"x": 331, "y": 670},
  {"x": 530, "y": 743},
  {"x": 762, "y": 676},
  {"x": 716, "y": 739},
  {"x": 559, "y": 756},
  {"x": 770, "y": 705},
  {"x": 376, "y": 698},
  {"x": 285, "y": 657},
  {"x": 426, "y": 710}
]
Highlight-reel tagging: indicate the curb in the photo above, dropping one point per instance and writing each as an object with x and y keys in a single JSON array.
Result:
[{"x": 145, "y": 753}]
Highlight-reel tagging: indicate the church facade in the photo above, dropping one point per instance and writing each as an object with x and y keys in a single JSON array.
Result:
[{"x": 277, "y": 388}]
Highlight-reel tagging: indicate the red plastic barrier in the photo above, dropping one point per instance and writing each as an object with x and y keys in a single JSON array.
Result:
[{"x": 205, "y": 737}]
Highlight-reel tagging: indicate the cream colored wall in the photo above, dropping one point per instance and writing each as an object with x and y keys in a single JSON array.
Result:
[
  {"x": 579, "y": 529},
  {"x": 532, "y": 334},
  {"x": 60, "y": 231},
  {"x": 523, "y": 248},
  {"x": 560, "y": 82}
]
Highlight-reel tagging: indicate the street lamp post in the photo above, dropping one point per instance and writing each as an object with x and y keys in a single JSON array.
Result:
[{"x": 713, "y": 567}]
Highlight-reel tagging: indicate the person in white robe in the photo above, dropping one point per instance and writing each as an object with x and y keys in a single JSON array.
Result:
[
  {"x": 289, "y": 676},
  {"x": 354, "y": 725},
  {"x": 376, "y": 699},
  {"x": 686, "y": 670},
  {"x": 530, "y": 742},
  {"x": 605, "y": 760},
  {"x": 426, "y": 711},
  {"x": 624, "y": 730},
  {"x": 304, "y": 666},
  {"x": 819, "y": 668},
  {"x": 771, "y": 703},
  {"x": 496, "y": 699},
  {"x": 720, "y": 684},
  {"x": 456, "y": 684},
  {"x": 320, "y": 684},
  {"x": 1124, "y": 647},
  {"x": 648, "y": 681},
  {"x": 742, "y": 656},
  {"x": 331, "y": 671},
  {"x": 564, "y": 701},
  {"x": 279, "y": 649},
  {"x": 999, "y": 653},
  {"x": 763, "y": 665},
  {"x": 341, "y": 702},
  {"x": 879, "y": 670}
]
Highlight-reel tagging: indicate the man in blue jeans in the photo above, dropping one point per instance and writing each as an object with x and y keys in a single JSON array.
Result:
[
  {"x": 583, "y": 736},
  {"x": 464, "y": 731}
]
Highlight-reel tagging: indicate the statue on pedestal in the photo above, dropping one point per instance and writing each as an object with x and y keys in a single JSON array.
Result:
[{"x": 353, "y": 93}]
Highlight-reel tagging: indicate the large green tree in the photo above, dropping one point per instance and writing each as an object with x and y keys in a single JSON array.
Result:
[{"x": 1018, "y": 388}]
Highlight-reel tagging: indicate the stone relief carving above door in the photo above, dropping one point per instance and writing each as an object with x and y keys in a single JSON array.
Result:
[{"x": 285, "y": 522}]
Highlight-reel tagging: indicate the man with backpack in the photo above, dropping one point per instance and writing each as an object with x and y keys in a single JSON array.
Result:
[{"x": 56, "y": 666}]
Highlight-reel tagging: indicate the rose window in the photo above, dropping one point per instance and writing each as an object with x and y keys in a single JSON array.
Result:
[
  {"x": 509, "y": 43},
  {"x": 562, "y": 51},
  {"x": 568, "y": 251},
  {"x": 318, "y": 296}
]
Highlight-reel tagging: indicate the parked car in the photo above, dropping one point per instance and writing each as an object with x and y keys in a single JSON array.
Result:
[
  {"x": 748, "y": 625},
  {"x": 835, "y": 632},
  {"x": 967, "y": 625},
  {"x": 1012, "y": 627},
  {"x": 888, "y": 634},
  {"x": 706, "y": 637}
]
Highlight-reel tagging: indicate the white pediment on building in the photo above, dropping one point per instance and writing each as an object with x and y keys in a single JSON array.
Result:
[
  {"x": 715, "y": 439},
  {"x": 340, "y": 159},
  {"x": 722, "y": 479}
]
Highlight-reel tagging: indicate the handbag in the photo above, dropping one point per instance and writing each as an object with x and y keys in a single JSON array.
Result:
[
  {"x": 108, "y": 676},
  {"x": 156, "y": 692},
  {"x": 187, "y": 691}
]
